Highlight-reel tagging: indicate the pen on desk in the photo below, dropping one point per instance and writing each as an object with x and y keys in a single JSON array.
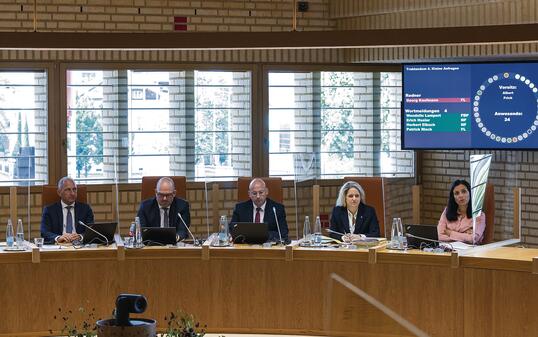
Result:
[{"x": 334, "y": 232}]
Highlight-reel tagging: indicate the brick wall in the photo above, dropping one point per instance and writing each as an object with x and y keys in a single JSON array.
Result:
[{"x": 158, "y": 16}]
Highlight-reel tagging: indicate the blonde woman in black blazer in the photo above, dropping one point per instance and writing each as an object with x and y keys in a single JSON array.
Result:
[{"x": 350, "y": 208}]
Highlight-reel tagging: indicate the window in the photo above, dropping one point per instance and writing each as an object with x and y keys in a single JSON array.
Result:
[
  {"x": 125, "y": 124},
  {"x": 23, "y": 127},
  {"x": 336, "y": 124}
]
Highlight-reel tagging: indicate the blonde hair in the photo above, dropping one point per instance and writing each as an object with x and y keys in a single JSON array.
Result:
[{"x": 341, "y": 200}]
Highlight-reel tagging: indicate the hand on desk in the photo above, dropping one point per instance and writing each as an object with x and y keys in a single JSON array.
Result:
[
  {"x": 352, "y": 237},
  {"x": 68, "y": 237}
]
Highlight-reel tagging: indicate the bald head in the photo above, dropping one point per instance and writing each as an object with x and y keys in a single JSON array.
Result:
[
  {"x": 165, "y": 192},
  {"x": 257, "y": 191}
]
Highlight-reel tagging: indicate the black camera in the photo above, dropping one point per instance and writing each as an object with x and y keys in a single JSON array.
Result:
[{"x": 126, "y": 304}]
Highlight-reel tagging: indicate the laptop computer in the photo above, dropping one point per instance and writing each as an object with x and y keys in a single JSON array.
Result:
[
  {"x": 159, "y": 236},
  {"x": 420, "y": 236},
  {"x": 250, "y": 232},
  {"x": 97, "y": 232}
]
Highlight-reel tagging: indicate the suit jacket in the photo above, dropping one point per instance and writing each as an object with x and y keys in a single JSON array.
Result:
[
  {"x": 243, "y": 212},
  {"x": 52, "y": 221},
  {"x": 365, "y": 223},
  {"x": 150, "y": 215}
]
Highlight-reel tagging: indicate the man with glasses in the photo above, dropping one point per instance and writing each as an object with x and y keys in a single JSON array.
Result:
[
  {"x": 60, "y": 221},
  {"x": 261, "y": 209},
  {"x": 164, "y": 209}
]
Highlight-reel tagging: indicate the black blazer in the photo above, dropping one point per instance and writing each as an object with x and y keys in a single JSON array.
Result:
[
  {"x": 366, "y": 222},
  {"x": 243, "y": 212},
  {"x": 52, "y": 220},
  {"x": 150, "y": 215}
]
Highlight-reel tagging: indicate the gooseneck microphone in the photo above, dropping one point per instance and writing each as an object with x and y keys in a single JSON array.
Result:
[
  {"x": 93, "y": 230},
  {"x": 188, "y": 230},
  {"x": 277, "y": 226}
]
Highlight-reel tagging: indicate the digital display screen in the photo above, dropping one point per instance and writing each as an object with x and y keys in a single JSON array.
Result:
[{"x": 470, "y": 106}]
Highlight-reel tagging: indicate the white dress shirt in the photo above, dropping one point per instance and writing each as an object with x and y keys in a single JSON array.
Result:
[{"x": 352, "y": 221}]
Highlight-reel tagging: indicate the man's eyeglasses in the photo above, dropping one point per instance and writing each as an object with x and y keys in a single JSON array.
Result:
[
  {"x": 165, "y": 195},
  {"x": 253, "y": 193}
]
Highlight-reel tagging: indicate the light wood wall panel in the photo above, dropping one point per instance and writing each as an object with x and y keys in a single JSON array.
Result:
[{"x": 373, "y": 14}]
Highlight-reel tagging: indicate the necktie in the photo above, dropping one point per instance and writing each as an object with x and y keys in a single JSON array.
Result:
[
  {"x": 69, "y": 220},
  {"x": 165, "y": 221},
  {"x": 257, "y": 218}
]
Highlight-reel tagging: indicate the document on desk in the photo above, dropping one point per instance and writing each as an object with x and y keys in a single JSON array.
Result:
[
  {"x": 53, "y": 247},
  {"x": 457, "y": 245}
]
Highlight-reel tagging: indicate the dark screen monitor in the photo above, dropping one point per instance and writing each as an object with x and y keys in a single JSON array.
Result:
[
  {"x": 470, "y": 106},
  {"x": 97, "y": 232},
  {"x": 250, "y": 232},
  {"x": 159, "y": 236}
]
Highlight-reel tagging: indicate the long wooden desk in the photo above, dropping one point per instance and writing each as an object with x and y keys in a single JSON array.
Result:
[{"x": 273, "y": 290}]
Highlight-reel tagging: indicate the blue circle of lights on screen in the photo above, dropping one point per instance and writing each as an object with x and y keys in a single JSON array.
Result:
[{"x": 476, "y": 107}]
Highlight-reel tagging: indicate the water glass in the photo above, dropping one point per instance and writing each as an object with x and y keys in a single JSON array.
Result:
[
  {"x": 39, "y": 242},
  {"x": 128, "y": 241}
]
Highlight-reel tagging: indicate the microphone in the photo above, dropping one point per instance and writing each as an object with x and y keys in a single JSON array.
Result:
[
  {"x": 93, "y": 230},
  {"x": 188, "y": 230},
  {"x": 277, "y": 226}
]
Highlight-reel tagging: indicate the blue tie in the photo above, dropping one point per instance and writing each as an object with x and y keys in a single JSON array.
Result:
[{"x": 69, "y": 220}]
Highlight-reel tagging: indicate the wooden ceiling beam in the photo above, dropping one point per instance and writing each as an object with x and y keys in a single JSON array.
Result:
[{"x": 271, "y": 40}]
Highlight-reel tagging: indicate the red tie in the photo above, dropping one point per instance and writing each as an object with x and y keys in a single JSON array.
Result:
[{"x": 257, "y": 218}]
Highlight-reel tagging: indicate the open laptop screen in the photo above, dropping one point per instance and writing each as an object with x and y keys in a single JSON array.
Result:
[
  {"x": 250, "y": 232},
  {"x": 159, "y": 236},
  {"x": 421, "y": 236},
  {"x": 97, "y": 232}
]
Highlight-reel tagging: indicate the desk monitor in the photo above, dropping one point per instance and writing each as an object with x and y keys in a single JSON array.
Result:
[
  {"x": 423, "y": 233},
  {"x": 159, "y": 236},
  {"x": 106, "y": 229},
  {"x": 250, "y": 232}
]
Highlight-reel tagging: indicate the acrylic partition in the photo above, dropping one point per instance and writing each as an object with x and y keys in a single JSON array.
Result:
[
  {"x": 353, "y": 312},
  {"x": 305, "y": 165},
  {"x": 498, "y": 199}
]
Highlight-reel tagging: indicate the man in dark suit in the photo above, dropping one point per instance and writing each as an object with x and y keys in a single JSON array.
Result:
[
  {"x": 60, "y": 221},
  {"x": 164, "y": 209},
  {"x": 260, "y": 209}
]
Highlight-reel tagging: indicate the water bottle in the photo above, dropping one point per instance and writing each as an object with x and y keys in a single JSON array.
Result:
[
  {"x": 20, "y": 234},
  {"x": 317, "y": 232},
  {"x": 396, "y": 234},
  {"x": 307, "y": 235},
  {"x": 132, "y": 229},
  {"x": 137, "y": 242},
  {"x": 223, "y": 232},
  {"x": 9, "y": 234}
]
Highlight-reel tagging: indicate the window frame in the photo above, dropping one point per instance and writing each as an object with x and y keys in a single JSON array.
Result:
[
  {"x": 51, "y": 69},
  {"x": 266, "y": 69},
  {"x": 139, "y": 66}
]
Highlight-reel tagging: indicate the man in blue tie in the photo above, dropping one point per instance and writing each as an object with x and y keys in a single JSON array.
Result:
[
  {"x": 60, "y": 221},
  {"x": 261, "y": 209}
]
